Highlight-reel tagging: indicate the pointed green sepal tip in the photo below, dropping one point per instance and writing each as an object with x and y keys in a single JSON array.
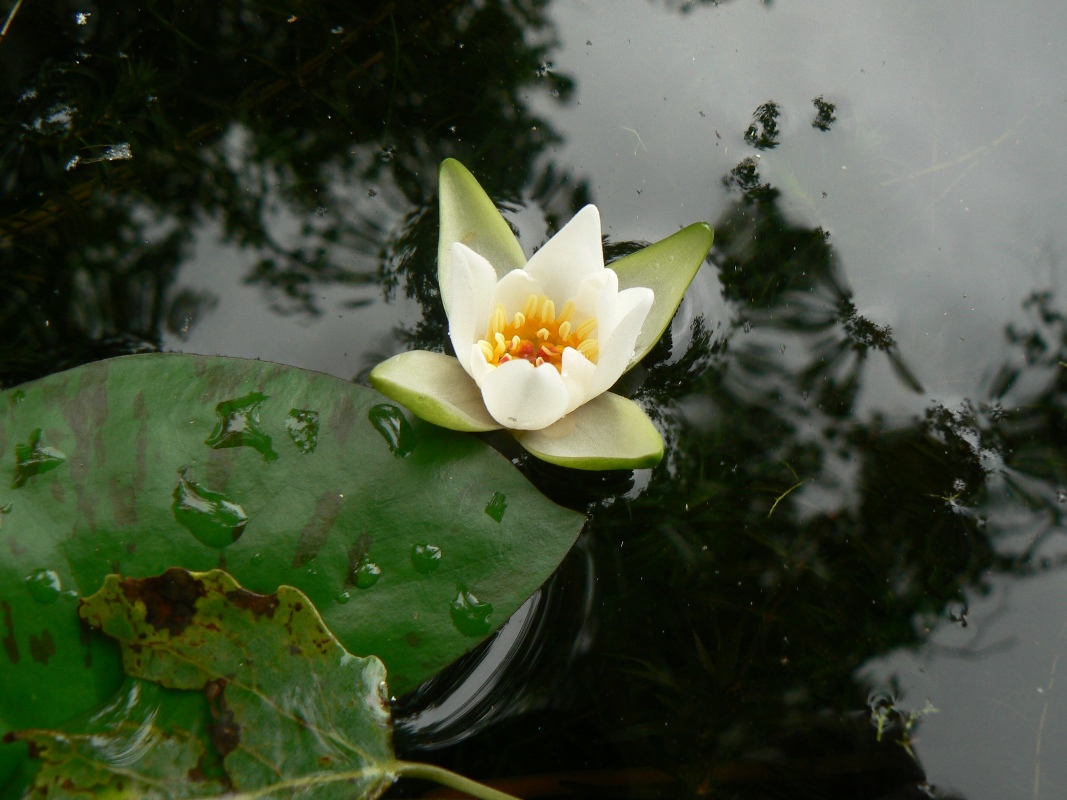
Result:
[
  {"x": 469, "y": 216},
  {"x": 435, "y": 388},
  {"x": 608, "y": 432},
  {"x": 667, "y": 267}
]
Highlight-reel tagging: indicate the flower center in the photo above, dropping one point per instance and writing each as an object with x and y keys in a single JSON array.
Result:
[{"x": 537, "y": 334}]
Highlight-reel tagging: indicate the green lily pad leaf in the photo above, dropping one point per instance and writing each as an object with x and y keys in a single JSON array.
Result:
[
  {"x": 469, "y": 216},
  {"x": 141, "y": 489},
  {"x": 667, "y": 267},
  {"x": 291, "y": 710},
  {"x": 608, "y": 432},
  {"x": 436, "y": 388}
]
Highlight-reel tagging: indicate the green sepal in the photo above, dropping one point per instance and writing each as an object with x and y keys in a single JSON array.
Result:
[
  {"x": 436, "y": 389},
  {"x": 608, "y": 432},
  {"x": 469, "y": 216},
  {"x": 667, "y": 268}
]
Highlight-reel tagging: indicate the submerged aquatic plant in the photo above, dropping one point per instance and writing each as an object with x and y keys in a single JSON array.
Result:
[{"x": 539, "y": 342}]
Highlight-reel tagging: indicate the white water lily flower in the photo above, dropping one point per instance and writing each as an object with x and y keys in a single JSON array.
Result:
[
  {"x": 548, "y": 338},
  {"x": 538, "y": 343}
]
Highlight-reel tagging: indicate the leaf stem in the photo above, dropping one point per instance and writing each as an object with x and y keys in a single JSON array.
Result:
[{"x": 412, "y": 769}]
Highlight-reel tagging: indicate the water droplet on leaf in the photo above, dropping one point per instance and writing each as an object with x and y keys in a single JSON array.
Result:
[
  {"x": 497, "y": 506},
  {"x": 343, "y": 597},
  {"x": 212, "y": 517},
  {"x": 34, "y": 459},
  {"x": 303, "y": 429},
  {"x": 238, "y": 426},
  {"x": 44, "y": 586},
  {"x": 469, "y": 614},
  {"x": 394, "y": 427},
  {"x": 425, "y": 558},
  {"x": 366, "y": 573}
]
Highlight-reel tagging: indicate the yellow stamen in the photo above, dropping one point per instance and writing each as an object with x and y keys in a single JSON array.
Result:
[
  {"x": 498, "y": 319},
  {"x": 586, "y": 328},
  {"x": 537, "y": 334}
]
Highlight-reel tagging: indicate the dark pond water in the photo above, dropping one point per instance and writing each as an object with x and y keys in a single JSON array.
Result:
[{"x": 847, "y": 577}]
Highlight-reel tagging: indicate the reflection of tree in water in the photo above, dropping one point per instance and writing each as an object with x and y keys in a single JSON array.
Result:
[{"x": 260, "y": 120}]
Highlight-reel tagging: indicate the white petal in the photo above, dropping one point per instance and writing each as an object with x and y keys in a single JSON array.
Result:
[
  {"x": 473, "y": 280},
  {"x": 512, "y": 291},
  {"x": 570, "y": 256},
  {"x": 595, "y": 297},
  {"x": 577, "y": 373},
  {"x": 479, "y": 366},
  {"x": 618, "y": 348},
  {"x": 523, "y": 397}
]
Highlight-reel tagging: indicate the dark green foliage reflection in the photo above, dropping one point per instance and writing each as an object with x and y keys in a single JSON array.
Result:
[{"x": 244, "y": 117}]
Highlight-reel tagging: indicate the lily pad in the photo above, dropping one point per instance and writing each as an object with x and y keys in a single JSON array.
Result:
[
  {"x": 170, "y": 460},
  {"x": 289, "y": 708}
]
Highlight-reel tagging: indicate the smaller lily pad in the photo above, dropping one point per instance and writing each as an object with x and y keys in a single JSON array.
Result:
[{"x": 289, "y": 706}]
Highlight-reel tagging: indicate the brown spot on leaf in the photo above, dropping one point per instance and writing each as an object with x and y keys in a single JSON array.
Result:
[
  {"x": 314, "y": 534},
  {"x": 294, "y": 650},
  {"x": 11, "y": 647},
  {"x": 86, "y": 414},
  {"x": 413, "y": 639},
  {"x": 356, "y": 553},
  {"x": 140, "y": 413},
  {"x": 42, "y": 647},
  {"x": 259, "y": 604},
  {"x": 57, "y": 492},
  {"x": 14, "y": 547},
  {"x": 224, "y": 731},
  {"x": 123, "y": 501},
  {"x": 169, "y": 599},
  {"x": 341, "y": 419}
]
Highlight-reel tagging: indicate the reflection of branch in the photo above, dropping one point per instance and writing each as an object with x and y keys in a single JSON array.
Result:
[
  {"x": 787, "y": 492},
  {"x": 10, "y": 17},
  {"x": 640, "y": 142},
  {"x": 1044, "y": 713}
]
